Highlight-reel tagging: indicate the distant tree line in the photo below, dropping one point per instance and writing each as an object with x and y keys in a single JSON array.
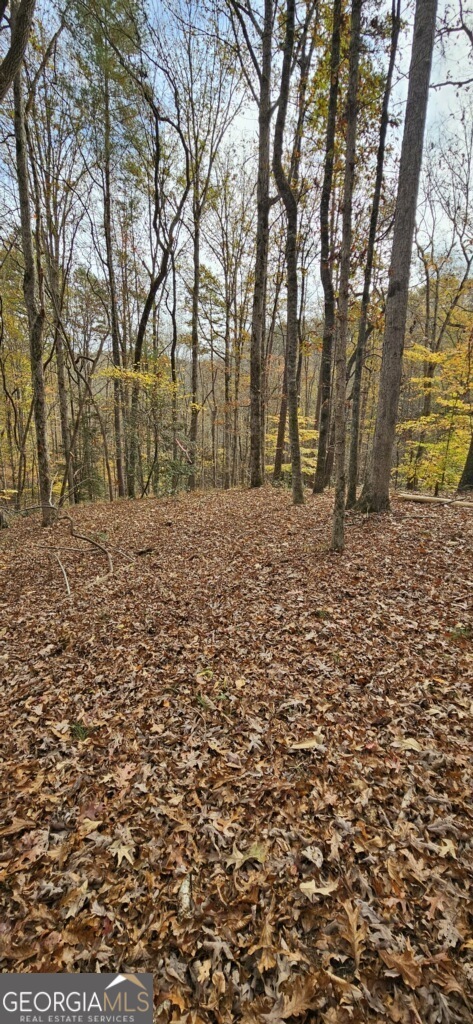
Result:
[{"x": 227, "y": 255}]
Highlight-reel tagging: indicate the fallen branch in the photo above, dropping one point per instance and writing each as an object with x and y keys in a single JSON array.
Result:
[
  {"x": 64, "y": 573},
  {"x": 30, "y": 508},
  {"x": 122, "y": 552},
  {"x": 428, "y": 499},
  {"x": 88, "y": 540}
]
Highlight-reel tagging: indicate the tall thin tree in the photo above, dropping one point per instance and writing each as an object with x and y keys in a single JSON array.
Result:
[
  {"x": 338, "y": 525},
  {"x": 365, "y": 301},
  {"x": 33, "y": 303},
  {"x": 375, "y": 494},
  {"x": 243, "y": 15},
  {"x": 325, "y": 254}
]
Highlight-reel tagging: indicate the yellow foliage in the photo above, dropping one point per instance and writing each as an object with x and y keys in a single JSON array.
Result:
[
  {"x": 421, "y": 354},
  {"x": 148, "y": 380}
]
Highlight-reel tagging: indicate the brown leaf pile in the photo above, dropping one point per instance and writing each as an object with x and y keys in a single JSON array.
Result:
[{"x": 240, "y": 762}]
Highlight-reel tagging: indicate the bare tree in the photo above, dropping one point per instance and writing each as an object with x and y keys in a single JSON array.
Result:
[
  {"x": 290, "y": 200},
  {"x": 33, "y": 302},
  {"x": 365, "y": 301},
  {"x": 261, "y": 59},
  {"x": 325, "y": 254},
  {"x": 375, "y": 495},
  {"x": 338, "y": 525}
]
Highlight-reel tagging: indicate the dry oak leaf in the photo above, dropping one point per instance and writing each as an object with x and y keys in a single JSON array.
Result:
[
  {"x": 37, "y": 843},
  {"x": 405, "y": 964},
  {"x": 86, "y": 827},
  {"x": 266, "y": 961},
  {"x": 17, "y": 825},
  {"x": 314, "y": 854},
  {"x": 409, "y": 743},
  {"x": 301, "y": 998},
  {"x": 447, "y": 981},
  {"x": 298, "y": 1000},
  {"x": 345, "y": 986},
  {"x": 265, "y": 940},
  {"x": 447, "y": 849},
  {"x": 121, "y": 851},
  {"x": 257, "y": 851},
  {"x": 203, "y": 970},
  {"x": 311, "y": 888},
  {"x": 74, "y": 899},
  {"x": 315, "y": 742},
  {"x": 175, "y": 998},
  {"x": 354, "y": 932},
  {"x": 123, "y": 773}
]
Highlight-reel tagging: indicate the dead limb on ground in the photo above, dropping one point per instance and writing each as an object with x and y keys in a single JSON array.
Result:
[
  {"x": 74, "y": 533},
  {"x": 429, "y": 499}
]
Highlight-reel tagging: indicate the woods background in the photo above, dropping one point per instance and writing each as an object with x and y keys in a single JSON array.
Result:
[{"x": 168, "y": 148}]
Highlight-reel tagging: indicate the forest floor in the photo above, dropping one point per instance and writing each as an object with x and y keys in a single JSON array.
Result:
[{"x": 240, "y": 762}]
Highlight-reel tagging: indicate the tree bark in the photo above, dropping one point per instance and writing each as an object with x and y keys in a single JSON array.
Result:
[
  {"x": 363, "y": 324},
  {"x": 466, "y": 479},
  {"x": 173, "y": 312},
  {"x": 375, "y": 495},
  {"x": 21, "y": 26},
  {"x": 107, "y": 220},
  {"x": 227, "y": 427},
  {"x": 325, "y": 255},
  {"x": 140, "y": 340},
  {"x": 262, "y": 241},
  {"x": 338, "y": 524},
  {"x": 34, "y": 308},
  {"x": 290, "y": 203},
  {"x": 62, "y": 391},
  {"x": 279, "y": 453},
  {"x": 195, "y": 344}
]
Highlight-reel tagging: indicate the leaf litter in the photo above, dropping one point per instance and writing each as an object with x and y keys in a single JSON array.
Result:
[{"x": 240, "y": 762}]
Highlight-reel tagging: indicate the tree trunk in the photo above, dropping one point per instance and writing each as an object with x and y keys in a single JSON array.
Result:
[
  {"x": 64, "y": 409},
  {"x": 466, "y": 480},
  {"x": 172, "y": 311},
  {"x": 261, "y": 264},
  {"x": 325, "y": 255},
  {"x": 195, "y": 347},
  {"x": 35, "y": 310},
  {"x": 227, "y": 428},
  {"x": 279, "y": 453},
  {"x": 338, "y": 525},
  {"x": 236, "y": 447},
  {"x": 363, "y": 324},
  {"x": 375, "y": 495},
  {"x": 107, "y": 218},
  {"x": 20, "y": 30},
  {"x": 51, "y": 245},
  {"x": 290, "y": 204}
]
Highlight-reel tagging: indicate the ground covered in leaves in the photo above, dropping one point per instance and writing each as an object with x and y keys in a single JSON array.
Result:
[{"x": 240, "y": 762}]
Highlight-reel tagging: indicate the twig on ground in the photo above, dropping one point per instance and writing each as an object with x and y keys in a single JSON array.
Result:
[
  {"x": 89, "y": 540},
  {"x": 64, "y": 573}
]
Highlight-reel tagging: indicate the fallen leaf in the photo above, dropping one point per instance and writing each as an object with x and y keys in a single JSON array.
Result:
[
  {"x": 257, "y": 851},
  {"x": 406, "y": 964},
  {"x": 315, "y": 742},
  {"x": 354, "y": 931},
  {"x": 311, "y": 888},
  {"x": 122, "y": 852},
  {"x": 407, "y": 743}
]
